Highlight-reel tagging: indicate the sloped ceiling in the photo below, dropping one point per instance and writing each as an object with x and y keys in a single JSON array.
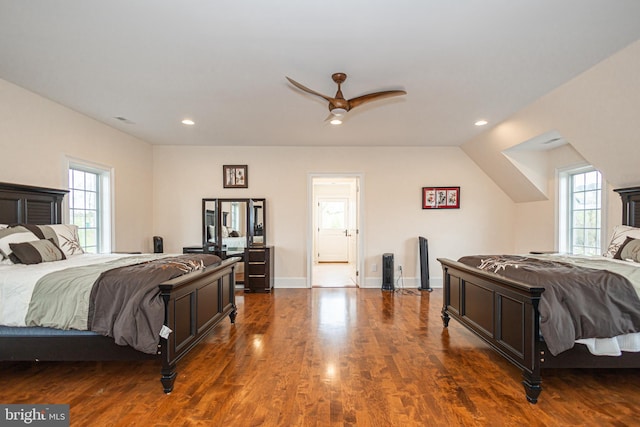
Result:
[
  {"x": 596, "y": 113},
  {"x": 223, "y": 64}
]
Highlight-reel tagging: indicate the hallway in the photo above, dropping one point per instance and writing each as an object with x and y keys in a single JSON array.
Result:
[{"x": 333, "y": 275}]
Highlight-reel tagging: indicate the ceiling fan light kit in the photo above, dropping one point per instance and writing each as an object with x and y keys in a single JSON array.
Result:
[
  {"x": 338, "y": 105},
  {"x": 339, "y": 112}
]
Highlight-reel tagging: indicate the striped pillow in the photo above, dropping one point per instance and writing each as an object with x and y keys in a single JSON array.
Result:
[
  {"x": 65, "y": 236},
  {"x": 10, "y": 235},
  {"x": 35, "y": 252}
]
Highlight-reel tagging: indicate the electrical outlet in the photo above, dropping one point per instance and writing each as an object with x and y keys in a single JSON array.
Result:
[
  {"x": 374, "y": 268},
  {"x": 400, "y": 268}
]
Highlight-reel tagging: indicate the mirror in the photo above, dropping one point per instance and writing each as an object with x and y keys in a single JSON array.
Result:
[
  {"x": 210, "y": 219},
  {"x": 230, "y": 225},
  {"x": 234, "y": 225},
  {"x": 257, "y": 219}
]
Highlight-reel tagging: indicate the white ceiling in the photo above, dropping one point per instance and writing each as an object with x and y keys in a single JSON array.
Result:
[{"x": 223, "y": 63}]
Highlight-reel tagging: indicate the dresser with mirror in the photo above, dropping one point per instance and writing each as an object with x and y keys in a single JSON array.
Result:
[{"x": 237, "y": 227}]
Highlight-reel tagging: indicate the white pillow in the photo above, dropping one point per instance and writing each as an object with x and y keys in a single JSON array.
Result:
[
  {"x": 65, "y": 236},
  {"x": 3, "y": 226},
  {"x": 620, "y": 234},
  {"x": 17, "y": 234}
]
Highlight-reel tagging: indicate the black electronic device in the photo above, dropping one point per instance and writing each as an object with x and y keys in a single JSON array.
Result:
[
  {"x": 424, "y": 264},
  {"x": 157, "y": 245},
  {"x": 387, "y": 272}
]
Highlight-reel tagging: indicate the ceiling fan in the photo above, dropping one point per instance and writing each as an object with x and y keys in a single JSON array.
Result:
[{"x": 338, "y": 105}]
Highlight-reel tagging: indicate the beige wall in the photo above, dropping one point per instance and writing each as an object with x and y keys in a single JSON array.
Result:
[
  {"x": 159, "y": 189},
  {"x": 36, "y": 138},
  {"x": 393, "y": 216},
  {"x": 596, "y": 113}
]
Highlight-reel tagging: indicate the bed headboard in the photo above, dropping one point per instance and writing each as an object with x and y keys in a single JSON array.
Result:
[
  {"x": 30, "y": 205},
  {"x": 630, "y": 205}
]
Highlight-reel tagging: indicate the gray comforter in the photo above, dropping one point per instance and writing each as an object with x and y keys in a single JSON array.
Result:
[
  {"x": 578, "y": 302},
  {"x": 118, "y": 298}
]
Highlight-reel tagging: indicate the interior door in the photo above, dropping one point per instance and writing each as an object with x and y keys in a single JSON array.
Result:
[{"x": 333, "y": 230}]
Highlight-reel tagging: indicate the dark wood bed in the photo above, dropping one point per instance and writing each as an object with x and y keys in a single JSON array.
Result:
[
  {"x": 194, "y": 303},
  {"x": 504, "y": 313}
]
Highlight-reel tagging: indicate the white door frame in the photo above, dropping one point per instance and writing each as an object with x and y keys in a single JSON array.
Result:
[{"x": 359, "y": 219}]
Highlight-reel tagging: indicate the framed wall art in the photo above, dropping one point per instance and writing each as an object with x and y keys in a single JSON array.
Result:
[
  {"x": 235, "y": 176},
  {"x": 440, "y": 197}
]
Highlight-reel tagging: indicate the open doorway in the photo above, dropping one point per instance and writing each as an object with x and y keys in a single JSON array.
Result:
[{"x": 334, "y": 231}]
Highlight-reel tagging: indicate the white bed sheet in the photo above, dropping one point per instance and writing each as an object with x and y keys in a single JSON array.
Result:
[
  {"x": 233, "y": 242},
  {"x": 17, "y": 282}
]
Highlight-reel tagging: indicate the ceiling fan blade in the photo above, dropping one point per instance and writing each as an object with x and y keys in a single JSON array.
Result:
[
  {"x": 353, "y": 103},
  {"x": 306, "y": 89}
]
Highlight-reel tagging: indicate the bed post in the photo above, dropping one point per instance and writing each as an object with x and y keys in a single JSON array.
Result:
[
  {"x": 168, "y": 372},
  {"x": 533, "y": 379},
  {"x": 445, "y": 297},
  {"x": 532, "y": 385},
  {"x": 169, "y": 375}
]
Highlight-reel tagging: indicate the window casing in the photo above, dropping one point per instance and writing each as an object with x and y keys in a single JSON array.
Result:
[
  {"x": 580, "y": 199},
  {"x": 90, "y": 206}
]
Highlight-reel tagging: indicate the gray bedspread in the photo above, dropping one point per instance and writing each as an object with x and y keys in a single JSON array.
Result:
[
  {"x": 578, "y": 302},
  {"x": 119, "y": 298}
]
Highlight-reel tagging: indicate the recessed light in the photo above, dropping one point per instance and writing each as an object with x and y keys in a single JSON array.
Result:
[
  {"x": 188, "y": 122},
  {"x": 481, "y": 122}
]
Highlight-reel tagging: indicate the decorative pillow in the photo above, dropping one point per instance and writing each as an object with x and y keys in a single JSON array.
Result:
[
  {"x": 225, "y": 231},
  {"x": 16, "y": 234},
  {"x": 631, "y": 250},
  {"x": 234, "y": 233},
  {"x": 620, "y": 233},
  {"x": 36, "y": 252},
  {"x": 621, "y": 247},
  {"x": 3, "y": 226},
  {"x": 65, "y": 236}
]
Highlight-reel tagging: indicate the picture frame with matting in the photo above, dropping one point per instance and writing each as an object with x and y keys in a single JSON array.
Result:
[{"x": 235, "y": 176}]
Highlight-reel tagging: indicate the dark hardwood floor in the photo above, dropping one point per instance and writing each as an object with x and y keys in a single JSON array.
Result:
[{"x": 329, "y": 357}]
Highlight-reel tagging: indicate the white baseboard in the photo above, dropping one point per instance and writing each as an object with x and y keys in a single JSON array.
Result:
[
  {"x": 290, "y": 283},
  {"x": 369, "y": 283},
  {"x": 408, "y": 283}
]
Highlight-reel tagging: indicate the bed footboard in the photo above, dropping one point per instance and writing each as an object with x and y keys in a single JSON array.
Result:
[
  {"x": 195, "y": 304},
  {"x": 502, "y": 312}
]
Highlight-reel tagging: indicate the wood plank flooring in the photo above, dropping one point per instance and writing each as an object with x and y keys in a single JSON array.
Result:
[{"x": 329, "y": 357}]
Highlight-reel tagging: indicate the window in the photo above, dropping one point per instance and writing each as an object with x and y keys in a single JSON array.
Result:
[
  {"x": 235, "y": 216},
  {"x": 580, "y": 211},
  {"x": 89, "y": 206}
]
